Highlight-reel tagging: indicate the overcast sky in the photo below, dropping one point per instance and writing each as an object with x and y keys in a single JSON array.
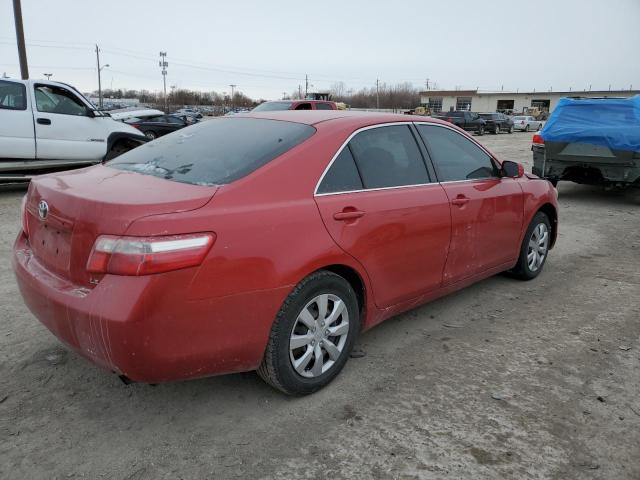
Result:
[{"x": 267, "y": 47}]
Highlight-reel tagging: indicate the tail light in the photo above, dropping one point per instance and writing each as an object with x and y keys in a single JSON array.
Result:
[
  {"x": 449, "y": 119},
  {"x": 23, "y": 216},
  {"x": 147, "y": 255},
  {"x": 538, "y": 140},
  {"x": 136, "y": 125}
]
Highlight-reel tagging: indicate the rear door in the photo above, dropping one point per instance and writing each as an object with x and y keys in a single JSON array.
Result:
[
  {"x": 64, "y": 127},
  {"x": 379, "y": 204},
  {"x": 486, "y": 210},
  {"x": 16, "y": 122}
]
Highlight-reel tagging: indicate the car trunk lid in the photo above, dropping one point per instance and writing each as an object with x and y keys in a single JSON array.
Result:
[{"x": 66, "y": 212}]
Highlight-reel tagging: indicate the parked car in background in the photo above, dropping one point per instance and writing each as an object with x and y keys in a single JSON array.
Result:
[
  {"x": 47, "y": 126},
  {"x": 497, "y": 122},
  {"x": 154, "y": 127},
  {"x": 296, "y": 105},
  {"x": 188, "y": 111},
  {"x": 527, "y": 123},
  {"x": 591, "y": 141},
  {"x": 469, "y": 121},
  {"x": 183, "y": 258}
]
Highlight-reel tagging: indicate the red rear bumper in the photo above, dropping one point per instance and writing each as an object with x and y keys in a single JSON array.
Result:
[{"x": 144, "y": 327}]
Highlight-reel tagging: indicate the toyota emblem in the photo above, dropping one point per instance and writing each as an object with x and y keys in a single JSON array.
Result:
[{"x": 43, "y": 209}]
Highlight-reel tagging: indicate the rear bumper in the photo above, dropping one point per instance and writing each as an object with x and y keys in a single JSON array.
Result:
[{"x": 144, "y": 327}]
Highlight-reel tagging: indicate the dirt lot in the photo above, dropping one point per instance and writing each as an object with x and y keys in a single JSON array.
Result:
[{"x": 502, "y": 380}]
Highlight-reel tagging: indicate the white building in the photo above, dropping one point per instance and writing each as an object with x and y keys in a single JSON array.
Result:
[{"x": 478, "y": 101}]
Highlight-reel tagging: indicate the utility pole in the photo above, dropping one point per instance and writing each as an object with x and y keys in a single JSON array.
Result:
[
  {"x": 163, "y": 65},
  {"x": 22, "y": 49},
  {"x": 48, "y": 75},
  {"x": 299, "y": 91},
  {"x": 233, "y": 90},
  {"x": 284, "y": 95},
  {"x": 99, "y": 81},
  {"x": 378, "y": 93},
  {"x": 427, "y": 83},
  {"x": 306, "y": 86}
]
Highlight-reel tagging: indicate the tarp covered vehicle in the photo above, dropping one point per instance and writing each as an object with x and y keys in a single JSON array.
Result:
[{"x": 591, "y": 141}]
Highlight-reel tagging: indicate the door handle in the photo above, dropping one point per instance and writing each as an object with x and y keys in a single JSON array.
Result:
[
  {"x": 44, "y": 121},
  {"x": 348, "y": 214},
  {"x": 460, "y": 201}
]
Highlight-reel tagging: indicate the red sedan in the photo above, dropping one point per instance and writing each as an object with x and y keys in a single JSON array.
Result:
[{"x": 269, "y": 241}]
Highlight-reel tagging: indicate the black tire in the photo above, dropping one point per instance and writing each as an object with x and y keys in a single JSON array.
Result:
[
  {"x": 481, "y": 130},
  {"x": 522, "y": 270},
  {"x": 117, "y": 149},
  {"x": 151, "y": 135},
  {"x": 526, "y": 129},
  {"x": 539, "y": 127},
  {"x": 496, "y": 130},
  {"x": 510, "y": 129},
  {"x": 276, "y": 368}
]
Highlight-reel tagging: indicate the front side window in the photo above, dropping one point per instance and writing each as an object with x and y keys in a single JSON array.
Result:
[
  {"x": 215, "y": 152},
  {"x": 323, "y": 106},
  {"x": 388, "y": 157},
  {"x": 52, "y": 99},
  {"x": 454, "y": 156},
  {"x": 13, "y": 96},
  {"x": 342, "y": 176},
  {"x": 303, "y": 106}
]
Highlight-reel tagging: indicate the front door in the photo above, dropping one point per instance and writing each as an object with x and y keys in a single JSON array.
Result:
[
  {"x": 379, "y": 204},
  {"x": 486, "y": 210},
  {"x": 64, "y": 128}
]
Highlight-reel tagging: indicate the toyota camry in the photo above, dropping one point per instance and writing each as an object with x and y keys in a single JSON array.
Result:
[{"x": 269, "y": 241}]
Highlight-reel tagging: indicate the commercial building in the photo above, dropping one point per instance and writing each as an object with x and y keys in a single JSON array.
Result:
[{"x": 481, "y": 101}]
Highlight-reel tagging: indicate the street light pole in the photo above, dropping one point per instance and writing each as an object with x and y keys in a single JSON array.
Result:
[
  {"x": 99, "y": 81},
  {"x": 22, "y": 49},
  {"x": 48, "y": 75}
]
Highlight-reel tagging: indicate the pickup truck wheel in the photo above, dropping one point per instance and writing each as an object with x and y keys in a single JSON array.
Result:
[
  {"x": 150, "y": 135},
  {"x": 481, "y": 130},
  {"x": 534, "y": 248},
  {"x": 510, "y": 129},
  {"x": 117, "y": 149},
  {"x": 496, "y": 130}
]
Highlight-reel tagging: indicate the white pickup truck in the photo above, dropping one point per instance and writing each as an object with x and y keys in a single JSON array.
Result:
[{"x": 47, "y": 126}]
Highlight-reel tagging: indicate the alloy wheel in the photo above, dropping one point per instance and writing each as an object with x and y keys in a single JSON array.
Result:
[
  {"x": 319, "y": 335},
  {"x": 538, "y": 247}
]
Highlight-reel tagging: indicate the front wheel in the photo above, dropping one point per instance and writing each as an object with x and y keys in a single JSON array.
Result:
[
  {"x": 150, "y": 135},
  {"x": 526, "y": 129},
  {"x": 510, "y": 129},
  {"x": 534, "y": 248},
  {"x": 480, "y": 130},
  {"x": 117, "y": 149},
  {"x": 312, "y": 335}
]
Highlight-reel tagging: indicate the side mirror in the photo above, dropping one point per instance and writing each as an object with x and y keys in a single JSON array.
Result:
[{"x": 511, "y": 169}]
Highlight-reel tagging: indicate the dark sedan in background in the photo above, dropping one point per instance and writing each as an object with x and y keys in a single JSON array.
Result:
[
  {"x": 154, "y": 127},
  {"x": 497, "y": 122}
]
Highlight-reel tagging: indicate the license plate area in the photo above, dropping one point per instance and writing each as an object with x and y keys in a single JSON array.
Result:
[{"x": 52, "y": 246}]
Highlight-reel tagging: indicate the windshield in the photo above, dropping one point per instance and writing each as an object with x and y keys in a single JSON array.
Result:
[
  {"x": 488, "y": 116},
  {"x": 519, "y": 118},
  {"x": 215, "y": 152},
  {"x": 271, "y": 106}
]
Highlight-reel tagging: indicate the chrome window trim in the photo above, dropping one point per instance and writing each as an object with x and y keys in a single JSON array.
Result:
[{"x": 342, "y": 147}]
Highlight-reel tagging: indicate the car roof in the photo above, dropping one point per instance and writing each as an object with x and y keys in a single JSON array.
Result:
[{"x": 346, "y": 118}]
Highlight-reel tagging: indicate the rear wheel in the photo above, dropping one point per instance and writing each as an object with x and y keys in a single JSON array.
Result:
[
  {"x": 534, "y": 249},
  {"x": 510, "y": 129},
  {"x": 496, "y": 130},
  {"x": 481, "y": 130},
  {"x": 312, "y": 335},
  {"x": 526, "y": 129},
  {"x": 150, "y": 135}
]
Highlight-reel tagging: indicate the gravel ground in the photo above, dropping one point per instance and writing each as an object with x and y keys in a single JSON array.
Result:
[{"x": 504, "y": 379}]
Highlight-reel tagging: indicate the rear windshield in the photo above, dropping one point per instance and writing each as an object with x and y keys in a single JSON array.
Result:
[
  {"x": 488, "y": 116},
  {"x": 519, "y": 118},
  {"x": 271, "y": 106},
  {"x": 214, "y": 152}
]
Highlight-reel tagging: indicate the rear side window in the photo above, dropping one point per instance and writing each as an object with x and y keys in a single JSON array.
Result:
[
  {"x": 13, "y": 96},
  {"x": 454, "y": 156},
  {"x": 342, "y": 176},
  {"x": 215, "y": 152},
  {"x": 388, "y": 157},
  {"x": 323, "y": 106},
  {"x": 272, "y": 106}
]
